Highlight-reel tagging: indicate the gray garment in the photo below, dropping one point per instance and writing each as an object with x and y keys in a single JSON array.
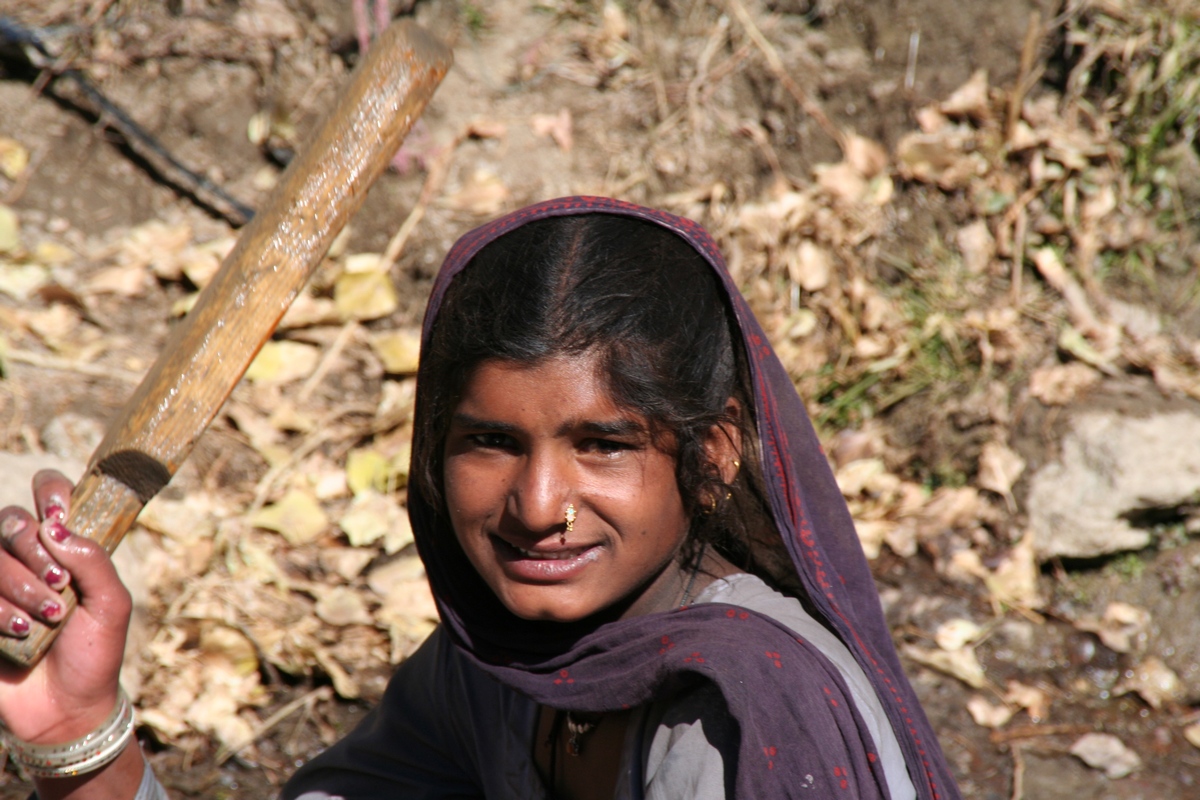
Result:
[
  {"x": 150, "y": 788},
  {"x": 443, "y": 721}
]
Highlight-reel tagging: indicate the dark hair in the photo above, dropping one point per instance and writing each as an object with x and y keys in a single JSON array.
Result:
[{"x": 641, "y": 299}]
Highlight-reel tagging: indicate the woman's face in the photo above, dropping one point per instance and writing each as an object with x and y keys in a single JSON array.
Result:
[{"x": 527, "y": 441}]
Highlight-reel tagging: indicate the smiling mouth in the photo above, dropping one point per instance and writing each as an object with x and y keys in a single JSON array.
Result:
[
  {"x": 546, "y": 563},
  {"x": 558, "y": 555}
]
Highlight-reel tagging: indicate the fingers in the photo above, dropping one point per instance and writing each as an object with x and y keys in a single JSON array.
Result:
[
  {"x": 29, "y": 575},
  {"x": 52, "y": 494},
  {"x": 100, "y": 589}
]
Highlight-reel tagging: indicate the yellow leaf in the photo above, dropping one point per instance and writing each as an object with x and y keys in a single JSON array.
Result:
[
  {"x": 364, "y": 295},
  {"x": 10, "y": 230},
  {"x": 13, "y": 158},
  {"x": 281, "y": 362},
  {"x": 297, "y": 516},
  {"x": 52, "y": 254},
  {"x": 373, "y": 516},
  {"x": 365, "y": 523},
  {"x": 366, "y": 469},
  {"x": 20, "y": 281},
  {"x": 399, "y": 350}
]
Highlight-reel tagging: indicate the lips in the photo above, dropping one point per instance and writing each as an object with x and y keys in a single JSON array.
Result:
[{"x": 543, "y": 565}]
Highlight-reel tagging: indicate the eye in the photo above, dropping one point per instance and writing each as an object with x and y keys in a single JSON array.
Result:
[
  {"x": 492, "y": 441},
  {"x": 605, "y": 447}
]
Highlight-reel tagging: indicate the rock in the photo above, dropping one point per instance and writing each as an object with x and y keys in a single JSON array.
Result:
[
  {"x": 1113, "y": 467},
  {"x": 72, "y": 436},
  {"x": 18, "y": 471}
]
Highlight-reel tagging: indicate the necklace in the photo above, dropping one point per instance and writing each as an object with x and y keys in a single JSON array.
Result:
[{"x": 579, "y": 725}]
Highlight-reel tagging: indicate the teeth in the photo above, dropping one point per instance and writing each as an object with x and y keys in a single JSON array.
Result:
[{"x": 560, "y": 556}]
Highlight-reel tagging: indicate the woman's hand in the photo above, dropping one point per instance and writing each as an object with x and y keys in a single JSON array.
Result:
[{"x": 74, "y": 688}]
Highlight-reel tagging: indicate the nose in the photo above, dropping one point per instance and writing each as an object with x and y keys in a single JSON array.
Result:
[{"x": 541, "y": 492}]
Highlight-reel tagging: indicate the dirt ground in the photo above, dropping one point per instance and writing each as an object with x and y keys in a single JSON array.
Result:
[{"x": 880, "y": 262}]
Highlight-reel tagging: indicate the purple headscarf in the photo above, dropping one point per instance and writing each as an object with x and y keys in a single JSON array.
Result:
[{"x": 798, "y": 725}]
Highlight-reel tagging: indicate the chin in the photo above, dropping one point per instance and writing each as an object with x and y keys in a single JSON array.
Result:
[{"x": 543, "y": 609}]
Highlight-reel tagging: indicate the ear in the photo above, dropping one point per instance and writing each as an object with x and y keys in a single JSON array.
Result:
[{"x": 723, "y": 444}]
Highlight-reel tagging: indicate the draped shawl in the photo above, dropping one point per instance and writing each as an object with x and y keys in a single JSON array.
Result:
[{"x": 799, "y": 732}]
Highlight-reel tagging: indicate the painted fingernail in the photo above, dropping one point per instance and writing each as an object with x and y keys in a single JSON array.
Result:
[
  {"x": 55, "y": 577},
  {"x": 51, "y": 610},
  {"x": 58, "y": 532},
  {"x": 19, "y": 626},
  {"x": 55, "y": 512},
  {"x": 11, "y": 526}
]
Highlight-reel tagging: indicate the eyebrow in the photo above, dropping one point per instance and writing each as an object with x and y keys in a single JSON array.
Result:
[
  {"x": 620, "y": 427},
  {"x": 468, "y": 421}
]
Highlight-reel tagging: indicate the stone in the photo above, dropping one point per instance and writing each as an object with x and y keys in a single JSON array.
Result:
[{"x": 1113, "y": 468}]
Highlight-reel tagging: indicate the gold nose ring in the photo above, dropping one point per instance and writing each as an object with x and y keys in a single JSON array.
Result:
[{"x": 570, "y": 517}]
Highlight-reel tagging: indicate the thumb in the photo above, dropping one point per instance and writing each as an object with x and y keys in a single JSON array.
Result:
[{"x": 100, "y": 590}]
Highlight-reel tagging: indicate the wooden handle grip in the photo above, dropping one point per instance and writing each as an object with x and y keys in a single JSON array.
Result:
[{"x": 207, "y": 353}]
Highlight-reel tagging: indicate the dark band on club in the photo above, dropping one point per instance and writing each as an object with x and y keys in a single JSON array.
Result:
[{"x": 145, "y": 475}]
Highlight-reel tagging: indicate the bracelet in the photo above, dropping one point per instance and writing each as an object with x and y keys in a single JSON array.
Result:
[{"x": 87, "y": 753}]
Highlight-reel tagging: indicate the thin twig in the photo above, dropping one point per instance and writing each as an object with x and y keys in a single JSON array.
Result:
[
  {"x": 1037, "y": 731},
  {"x": 1018, "y": 781},
  {"x": 44, "y": 361},
  {"x": 439, "y": 168},
  {"x": 775, "y": 63},
  {"x": 327, "y": 361},
  {"x": 1026, "y": 74},
  {"x": 307, "y": 701},
  {"x": 111, "y": 115}
]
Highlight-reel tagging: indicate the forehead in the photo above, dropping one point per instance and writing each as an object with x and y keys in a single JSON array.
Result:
[{"x": 558, "y": 388}]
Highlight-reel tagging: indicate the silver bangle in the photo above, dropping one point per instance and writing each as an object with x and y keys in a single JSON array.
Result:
[{"x": 85, "y": 754}]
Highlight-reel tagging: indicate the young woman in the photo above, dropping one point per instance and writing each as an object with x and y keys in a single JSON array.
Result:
[{"x": 648, "y": 581}]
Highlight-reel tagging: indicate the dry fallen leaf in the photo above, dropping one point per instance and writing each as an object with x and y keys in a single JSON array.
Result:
[
  {"x": 962, "y": 663},
  {"x": 970, "y": 99},
  {"x": 810, "y": 266},
  {"x": 1192, "y": 734},
  {"x": 1059, "y": 384},
  {"x": 282, "y": 362},
  {"x": 10, "y": 230},
  {"x": 399, "y": 350},
  {"x": 341, "y": 606},
  {"x": 484, "y": 195},
  {"x": 267, "y": 19},
  {"x": 123, "y": 280},
  {"x": 956, "y": 634},
  {"x": 365, "y": 295},
  {"x": 1155, "y": 682},
  {"x": 866, "y": 156},
  {"x": 370, "y": 518},
  {"x": 14, "y": 158},
  {"x": 999, "y": 469},
  {"x": 345, "y": 562},
  {"x": 977, "y": 246},
  {"x": 1107, "y": 752},
  {"x": 1035, "y": 701},
  {"x": 987, "y": 715},
  {"x": 22, "y": 281},
  {"x": 1123, "y": 628},
  {"x": 298, "y": 517},
  {"x": 557, "y": 126}
]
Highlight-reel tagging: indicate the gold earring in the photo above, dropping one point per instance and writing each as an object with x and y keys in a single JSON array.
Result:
[
  {"x": 570, "y": 517},
  {"x": 737, "y": 465}
]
